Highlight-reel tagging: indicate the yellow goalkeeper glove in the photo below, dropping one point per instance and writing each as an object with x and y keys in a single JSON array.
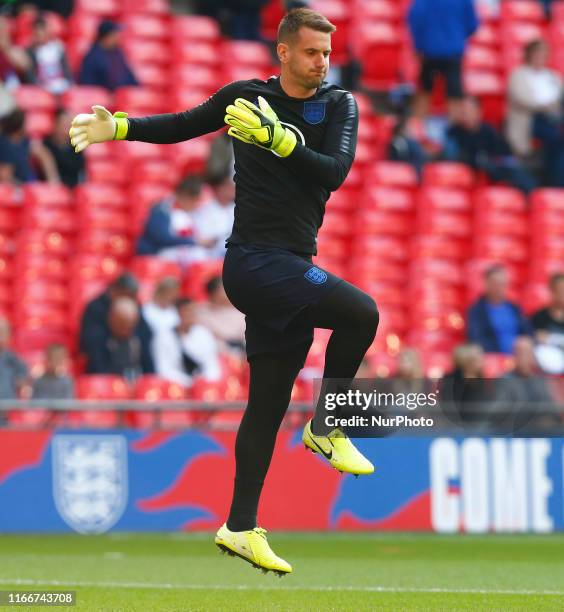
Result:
[
  {"x": 98, "y": 127},
  {"x": 259, "y": 126}
]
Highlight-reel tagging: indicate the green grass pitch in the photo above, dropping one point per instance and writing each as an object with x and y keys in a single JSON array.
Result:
[{"x": 186, "y": 572}]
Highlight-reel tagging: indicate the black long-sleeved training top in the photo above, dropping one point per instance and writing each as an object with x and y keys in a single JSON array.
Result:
[{"x": 279, "y": 201}]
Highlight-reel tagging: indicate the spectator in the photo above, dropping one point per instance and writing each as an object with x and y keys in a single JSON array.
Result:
[
  {"x": 105, "y": 64},
  {"x": 220, "y": 316},
  {"x": 70, "y": 165},
  {"x": 15, "y": 64},
  {"x": 170, "y": 229},
  {"x": 493, "y": 321},
  {"x": 55, "y": 383},
  {"x": 214, "y": 219},
  {"x": 478, "y": 144},
  {"x": 440, "y": 30},
  {"x": 535, "y": 97},
  {"x": 121, "y": 350},
  {"x": 526, "y": 394},
  {"x": 188, "y": 350},
  {"x": 50, "y": 69},
  {"x": 548, "y": 325},
  {"x": 62, "y": 7},
  {"x": 13, "y": 371},
  {"x": 239, "y": 19},
  {"x": 161, "y": 312},
  {"x": 94, "y": 323},
  {"x": 404, "y": 147},
  {"x": 409, "y": 377},
  {"x": 17, "y": 151}
]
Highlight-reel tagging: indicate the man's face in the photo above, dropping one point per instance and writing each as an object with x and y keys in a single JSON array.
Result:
[
  {"x": 307, "y": 57},
  {"x": 4, "y": 334},
  {"x": 470, "y": 115},
  {"x": 187, "y": 202},
  {"x": 539, "y": 58},
  {"x": 558, "y": 294},
  {"x": 122, "y": 324},
  {"x": 496, "y": 285},
  {"x": 40, "y": 34},
  {"x": 56, "y": 360}
]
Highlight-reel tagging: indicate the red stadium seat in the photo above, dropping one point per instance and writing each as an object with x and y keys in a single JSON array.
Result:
[
  {"x": 10, "y": 196},
  {"x": 379, "y": 44},
  {"x": 6, "y": 269},
  {"x": 9, "y": 220},
  {"x": 51, "y": 219},
  {"x": 87, "y": 268},
  {"x": 445, "y": 271},
  {"x": 100, "y": 8},
  {"x": 152, "y": 7},
  {"x": 448, "y": 174},
  {"x": 145, "y": 195},
  {"x": 33, "y": 418},
  {"x": 505, "y": 199},
  {"x": 383, "y": 223},
  {"x": 189, "y": 157},
  {"x": 78, "y": 99},
  {"x": 501, "y": 223},
  {"x": 490, "y": 88},
  {"x": 96, "y": 195},
  {"x": 54, "y": 292},
  {"x": 197, "y": 275},
  {"x": 243, "y": 52},
  {"x": 497, "y": 365},
  {"x": 385, "y": 247},
  {"x": 442, "y": 198},
  {"x": 39, "y": 242},
  {"x": 521, "y": 10},
  {"x": 534, "y": 296},
  {"x": 102, "y": 387},
  {"x": 195, "y": 28},
  {"x": 140, "y": 51},
  {"x": 339, "y": 15},
  {"x": 195, "y": 52},
  {"x": 7, "y": 244},
  {"x": 445, "y": 223},
  {"x": 150, "y": 388},
  {"x": 436, "y": 365},
  {"x": 379, "y": 10},
  {"x": 152, "y": 76},
  {"x": 271, "y": 14},
  {"x": 487, "y": 34},
  {"x": 506, "y": 248},
  {"x": 482, "y": 57},
  {"x": 389, "y": 199},
  {"x": 430, "y": 245},
  {"x": 32, "y": 267},
  {"x": 548, "y": 200},
  {"x": 31, "y": 97},
  {"x": 184, "y": 98},
  {"x": 106, "y": 219},
  {"x": 151, "y": 268},
  {"x": 208, "y": 391},
  {"x": 103, "y": 171},
  {"x": 142, "y": 100},
  {"x": 156, "y": 172},
  {"x": 39, "y": 124},
  {"x": 47, "y": 195},
  {"x": 152, "y": 27},
  {"x": 393, "y": 174},
  {"x": 105, "y": 242}
]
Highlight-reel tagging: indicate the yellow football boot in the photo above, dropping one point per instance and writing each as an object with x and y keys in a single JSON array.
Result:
[
  {"x": 338, "y": 449},
  {"x": 252, "y": 546}
]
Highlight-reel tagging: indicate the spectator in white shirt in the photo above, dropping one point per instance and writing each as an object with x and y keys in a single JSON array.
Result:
[
  {"x": 161, "y": 312},
  {"x": 188, "y": 350},
  {"x": 214, "y": 219}
]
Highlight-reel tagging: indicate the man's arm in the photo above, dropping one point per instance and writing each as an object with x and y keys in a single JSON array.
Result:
[
  {"x": 177, "y": 127},
  {"x": 330, "y": 166}
]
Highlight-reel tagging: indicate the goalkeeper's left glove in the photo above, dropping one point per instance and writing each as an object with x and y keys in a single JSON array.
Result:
[{"x": 259, "y": 126}]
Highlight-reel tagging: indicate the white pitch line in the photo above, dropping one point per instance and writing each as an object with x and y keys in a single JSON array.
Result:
[{"x": 268, "y": 587}]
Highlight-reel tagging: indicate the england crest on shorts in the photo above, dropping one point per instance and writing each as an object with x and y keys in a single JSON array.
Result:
[
  {"x": 314, "y": 112},
  {"x": 316, "y": 276},
  {"x": 90, "y": 480}
]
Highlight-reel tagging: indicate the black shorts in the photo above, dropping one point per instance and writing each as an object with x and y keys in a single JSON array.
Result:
[
  {"x": 449, "y": 69},
  {"x": 271, "y": 286}
]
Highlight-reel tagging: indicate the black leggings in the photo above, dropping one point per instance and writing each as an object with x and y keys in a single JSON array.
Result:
[{"x": 353, "y": 316}]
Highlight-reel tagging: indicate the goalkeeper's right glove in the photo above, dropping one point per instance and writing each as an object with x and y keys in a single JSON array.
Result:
[{"x": 98, "y": 127}]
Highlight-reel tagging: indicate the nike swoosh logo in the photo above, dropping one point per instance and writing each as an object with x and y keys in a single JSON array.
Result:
[{"x": 326, "y": 455}]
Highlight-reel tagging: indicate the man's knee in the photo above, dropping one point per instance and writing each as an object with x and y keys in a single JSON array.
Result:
[{"x": 370, "y": 317}]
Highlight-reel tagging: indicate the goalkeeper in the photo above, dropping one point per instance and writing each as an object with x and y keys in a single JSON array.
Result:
[{"x": 294, "y": 143}]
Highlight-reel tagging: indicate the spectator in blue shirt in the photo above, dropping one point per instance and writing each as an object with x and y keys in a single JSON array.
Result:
[
  {"x": 493, "y": 321},
  {"x": 17, "y": 151},
  {"x": 105, "y": 64},
  {"x": 440, "y": 30},
  {"x": 170, "y": 231}
]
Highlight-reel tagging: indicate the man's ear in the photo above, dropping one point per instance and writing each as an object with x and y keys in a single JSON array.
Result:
[{"x": 283, "y": 52}]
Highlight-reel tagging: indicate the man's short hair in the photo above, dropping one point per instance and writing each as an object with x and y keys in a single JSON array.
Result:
[
  {"x": 190, "y": 186},
  {"x": 491, "y": 270},
  {"x": 214, "y": 283},
  {"x": 126, "y": 282},
  {"x": 532, "y": 47},
  {"x": 555, "y": 279},
  {"x": 303, "y": 18},
  {"x": 183, "y": 301}
]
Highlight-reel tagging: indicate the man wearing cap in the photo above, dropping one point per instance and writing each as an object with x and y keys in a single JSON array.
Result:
[{"x": 105, "y": 64}]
